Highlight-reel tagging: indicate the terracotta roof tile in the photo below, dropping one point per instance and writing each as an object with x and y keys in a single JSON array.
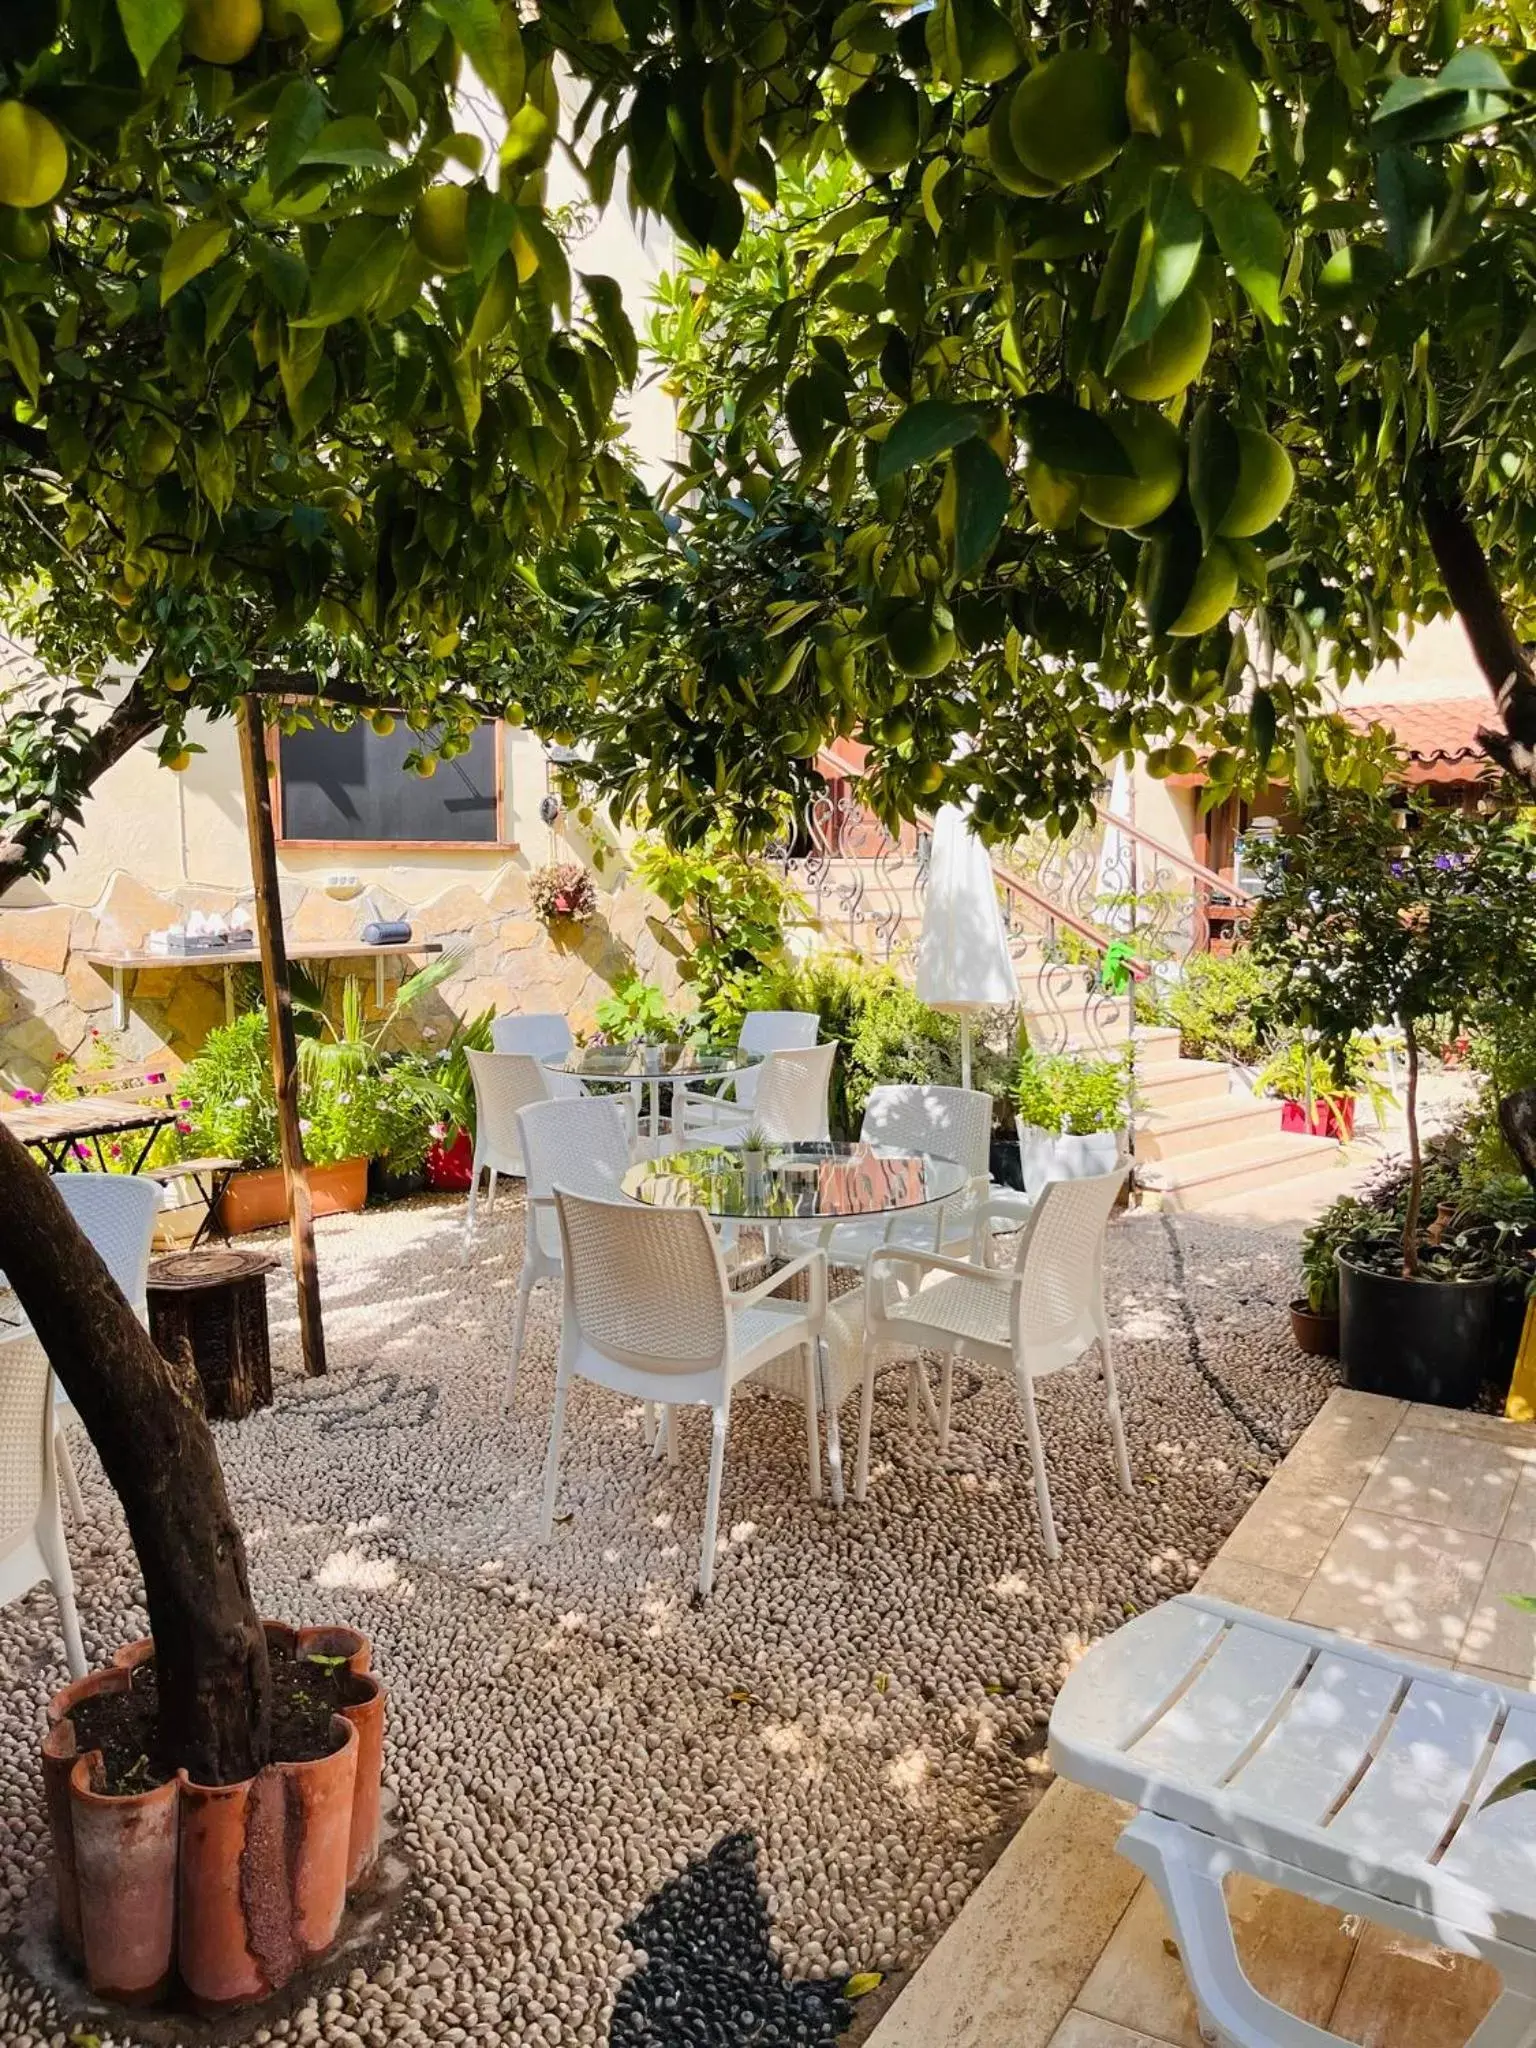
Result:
[{"x": 1439, "y": 734}]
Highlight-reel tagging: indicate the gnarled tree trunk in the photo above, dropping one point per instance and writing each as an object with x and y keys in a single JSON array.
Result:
[
  {"x": 146, "y": 1419},
  {"x": 1505, "y": 663}
]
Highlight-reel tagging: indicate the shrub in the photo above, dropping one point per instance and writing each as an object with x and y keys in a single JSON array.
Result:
[
  {"x": 732, "y": 908},
  {"x": 1224, "y": 1006},
  {"x": 1066, "y": 1096},
  {"x": 636, "y": 1012},
  {"x": 1481, "y": 1225},
  {"x": 1326, "y": 1074}
]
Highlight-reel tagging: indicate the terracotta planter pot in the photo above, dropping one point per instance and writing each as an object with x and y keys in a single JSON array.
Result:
[
  {"x": 263, "y": 1875},
  {"x": 1315, "y": 1333},
  {"x": 256, "y": 1200},
  {"x": 231, "y": 1888}
]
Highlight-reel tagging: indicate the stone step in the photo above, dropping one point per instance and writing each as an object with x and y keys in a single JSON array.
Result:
[
  {"x": 1199, "y": 1126},
  {"x": 1173, "y": 1082},
  {"x": 1156, "y": 1047},
  {"x": 1299, "y": 1199},
  {"x": 1222, "y": 1171}
]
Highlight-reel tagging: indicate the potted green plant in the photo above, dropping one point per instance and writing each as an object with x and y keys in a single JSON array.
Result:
[
  {"x": 1373, "y": 911},
  {"x": 1071, "y": 1114},
  {"x": 1315, "y": 1313},
  {"x": 1318, "y": 1088},
  {"x": 562, "y": 889}
]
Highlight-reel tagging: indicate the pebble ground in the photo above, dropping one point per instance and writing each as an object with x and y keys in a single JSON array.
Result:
[{"x": 577, "y": 1748}]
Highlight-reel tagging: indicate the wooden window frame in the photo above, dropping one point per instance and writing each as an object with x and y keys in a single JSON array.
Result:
[{"x": 501, "y": 844}]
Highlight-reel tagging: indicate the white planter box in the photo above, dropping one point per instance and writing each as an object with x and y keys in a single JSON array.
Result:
[{"x": 1044, "y": 1156}]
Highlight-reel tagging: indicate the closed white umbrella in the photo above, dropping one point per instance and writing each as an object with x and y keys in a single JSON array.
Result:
[{"x": 963, "y": 962}]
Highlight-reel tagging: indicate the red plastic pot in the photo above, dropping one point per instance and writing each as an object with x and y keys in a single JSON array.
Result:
[
  {"x": 1333, "y": 1116},
  {"x": 449, "y": 1166}
]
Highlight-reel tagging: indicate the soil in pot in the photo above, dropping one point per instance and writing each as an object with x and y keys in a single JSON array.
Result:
[{"x": 122, "y": 1725}]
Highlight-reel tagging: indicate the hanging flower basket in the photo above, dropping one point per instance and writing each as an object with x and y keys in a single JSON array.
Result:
[{"x": 564, "y": 889}]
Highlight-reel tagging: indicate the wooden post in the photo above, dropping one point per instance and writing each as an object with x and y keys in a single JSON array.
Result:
[{"x": 279, "y": 999}]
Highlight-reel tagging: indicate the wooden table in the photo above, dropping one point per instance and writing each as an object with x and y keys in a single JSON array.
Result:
[
  {"x": 55, "y": 1128},
  {"x": 121, "y": 965},
  {"x": 211, "y": 1307}
]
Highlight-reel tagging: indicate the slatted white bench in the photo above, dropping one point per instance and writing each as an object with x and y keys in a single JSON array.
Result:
[{"x": 1324, "y": 1767}]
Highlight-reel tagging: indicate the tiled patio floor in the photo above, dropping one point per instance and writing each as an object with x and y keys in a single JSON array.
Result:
[{"x": 1402, "y": 1525}]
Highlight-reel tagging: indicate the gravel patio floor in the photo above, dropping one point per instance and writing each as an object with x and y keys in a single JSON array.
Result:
[{"x": 858, "y": 1706}]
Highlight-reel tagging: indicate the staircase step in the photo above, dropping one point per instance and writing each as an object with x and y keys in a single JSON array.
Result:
[
  {"x": 1173, "y": 1082},
  {"x": 1169, "y": 1133},
  {"x": 1157, "y": 1046},
  {"x": 1194, "y": 1179}
]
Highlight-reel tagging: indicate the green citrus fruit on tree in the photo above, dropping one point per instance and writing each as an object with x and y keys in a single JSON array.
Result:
[
  {"x": 157, "y": 450},
  {"x": 988, "y": 47},
  {"x": 1265, "y": 480},
  {"x": 1173, "y": 356},
  {"x": 33, "y": 160},
  {"x": 1007, "y": 166},
  {"x": 1212, "y": 595},
  {"x": 178, "y": 680},
  {"x": 318, "y": 21},
  {"x": 440, "y": 226},
  {"x": 1182, "y": 760},
  {"x": 221, "y": 31},
  {"x": 918, "y": 644},
  {"x": 1067, "y": 117},
  {"x": 882, "y": 124},
  {"x": 382, "y": 722},
  {"x": 930, "y": 777},
  {"x": 179, "y": 762},
  {"x": 1218, "y": 115},
  {"x": 24, "y": 235},
  {"x": 1054, "y": 499},
  {"x": 1156, "y": 454},
  {"x": 427, "y": 766}
]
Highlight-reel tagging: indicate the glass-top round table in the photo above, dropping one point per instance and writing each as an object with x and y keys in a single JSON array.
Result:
[
  {"x": 820, "y": 1182},
  {"x": 650, "y": 1065}
]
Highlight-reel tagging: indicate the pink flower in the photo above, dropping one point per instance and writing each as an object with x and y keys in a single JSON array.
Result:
[
  {"x": 184, "y": 1102},
  {"x": 156, "y": 1077},
  {"x": 116, "y": 1151},
  {"x": 23, "y": 1095},
  {"x": 183, "y": 1126},
  {"x": 94, "y": 1032},
  {"x": 81, "y": 1151}
]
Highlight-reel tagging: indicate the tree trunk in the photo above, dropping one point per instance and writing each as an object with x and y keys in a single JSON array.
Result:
[
  {"x": 29, "y": 850},
  {"x": 146, "y": 1419},
  {"x": 1415, "y": 1156},
  {"x": 1506, "y": 666},
  {"x": 1517, "y": 1120}
]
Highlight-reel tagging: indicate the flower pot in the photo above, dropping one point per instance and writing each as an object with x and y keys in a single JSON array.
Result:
[
  {"x": 1316, "y": 1331},
  {"x": 256, "y": 1200},
  {"x": 449, "y": 1166},
  {"x": 1045, "y": 1156},
  {"x": 1333, "y": 1116},
  {"x": 1417, "y": 1340},
  {"x": 228, "y": 1888}
]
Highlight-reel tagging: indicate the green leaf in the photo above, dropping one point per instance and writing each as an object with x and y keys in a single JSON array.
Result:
[
  {"x": 21, "y": 347},
  {"x": 862, "y": 1982},
  {"x": 487, "y": 33},
  {"x": 356, "y": 140},
  {"x": 1214, "y": 461},
  {"x": 149, "y": 26},
  {"x": 1471, "y": 91},
  {"x": 192, "y": 249},
  {"x": 1070, "y": 438},
  {"x": 498, "y": 302},
  {"x": 1250, "y": 236},
  {"x": 1170, "y": 561},
  {"x": 1410, "y": 193},
  {"x": 359, "y": 264},
  {"x": 613, "y": 323},
  {"x": 724, "y": 117},
  {"x": 1521, "y": 1780},
  {"x": 1261, "y": 726},
  {"x": 293, "y": 125},
  {"x": 930, "y": 428},
  {"x": 982, "y": 498},
  {"x": 1172, "y": 231},
  {"x": 530, "y": 138}
]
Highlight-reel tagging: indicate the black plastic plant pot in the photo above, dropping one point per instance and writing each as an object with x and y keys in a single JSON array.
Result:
[{"x": 1417, "y": 1340}]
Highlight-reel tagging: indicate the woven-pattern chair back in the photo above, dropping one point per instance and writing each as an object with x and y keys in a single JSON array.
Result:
[
  {"x": 953, "y": 1123},
  {"x": 544, "y": 1033},
  {"x": 581, "y": 1144},
  {"x": 117, "y": 1212},
  {"x": 26, "y": 1422},
  {"x": 1061, "y": 1254},
  {"x": 793, "y": 1087},
  {"x": 768, "y": 1031},
  {"x": 505, "y": 1082},
  {"x": 646, "y": 1285}
]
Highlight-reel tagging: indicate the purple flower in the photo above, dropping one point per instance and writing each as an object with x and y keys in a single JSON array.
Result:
[
  {"x": 23, "y": 1094},
  {"x": 81, "y": 1151},
  {"x": 184, "y": 1102}
]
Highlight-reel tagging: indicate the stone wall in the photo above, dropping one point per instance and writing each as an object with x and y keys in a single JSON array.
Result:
[{"x": 53, "y": 1002}]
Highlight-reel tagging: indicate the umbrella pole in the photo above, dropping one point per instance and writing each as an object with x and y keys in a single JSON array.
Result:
[{"x": 965, "y": 1049}]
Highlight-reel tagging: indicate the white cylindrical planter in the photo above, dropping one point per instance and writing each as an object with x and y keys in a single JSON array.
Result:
[{"x": 1045, "y": 1156}]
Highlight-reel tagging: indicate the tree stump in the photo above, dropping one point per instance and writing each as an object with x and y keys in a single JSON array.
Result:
[{"x": 211, "y": 1307}]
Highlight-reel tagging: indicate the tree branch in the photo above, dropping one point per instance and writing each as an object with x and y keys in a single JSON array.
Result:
[
  {"x": 132, "y": 720},
  {"x": 1505, "y": 664}
]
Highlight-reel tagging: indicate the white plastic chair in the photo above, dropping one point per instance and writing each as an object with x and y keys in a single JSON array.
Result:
[
  {"x": 545, "y": 1034},
  {"x": 32, "y": 1543},
  {"x": 649, "y": 1312},
  {"x": 585, "y": 1146},
  {"x": 117, "y": 1212},
  {"x": 794, "y": 1087},
  {"x": 1030, "y": 1321},
  {"x": 504, "y": 1082},
  {"x": 762, "y": 1031}
]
